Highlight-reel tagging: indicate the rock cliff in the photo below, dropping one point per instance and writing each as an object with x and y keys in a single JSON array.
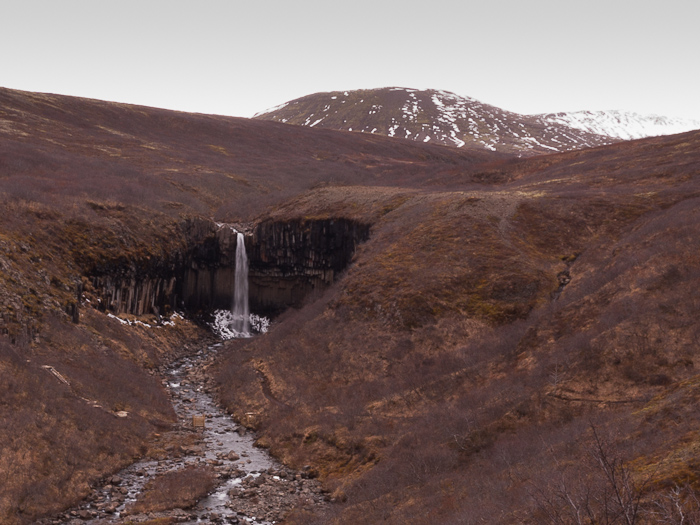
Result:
[{"x": 288, "y": 260}]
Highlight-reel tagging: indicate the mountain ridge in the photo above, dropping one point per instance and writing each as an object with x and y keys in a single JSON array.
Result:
[
  {"x": 624, "y": 125},
  {"x": 446, "y": 118}
]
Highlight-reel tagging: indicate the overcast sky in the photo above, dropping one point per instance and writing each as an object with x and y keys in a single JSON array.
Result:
[{"x": 236, "y": 58}]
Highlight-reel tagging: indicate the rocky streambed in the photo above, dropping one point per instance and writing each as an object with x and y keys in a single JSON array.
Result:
[{"x": 250, "y": 486}]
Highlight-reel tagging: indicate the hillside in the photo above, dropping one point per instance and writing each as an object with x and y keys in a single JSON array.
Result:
[
  {"x": 434, "y": 116},
  {"x": 101, "y": 201},
  {"x": 490, "y": 346},
  {"x": 60, "y": 144},
  {"x": 489, "y": 343},
  {"x": 446, "y": 118},
  {"x": 463, "y": 336}
]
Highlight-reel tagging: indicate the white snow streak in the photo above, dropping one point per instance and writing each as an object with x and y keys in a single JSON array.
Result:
[{"x": 272, "y": 110}]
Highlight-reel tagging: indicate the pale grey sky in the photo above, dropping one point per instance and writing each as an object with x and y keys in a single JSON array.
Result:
[{"x": 236, "y": 58}]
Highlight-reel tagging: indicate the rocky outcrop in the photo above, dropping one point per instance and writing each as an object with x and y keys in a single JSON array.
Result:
[
  {"x": 207, "y": 280},
  {"x": 290, "y": 259},
  {"x": 287, "y": 259},
  {"x": 136, "y": 294}
]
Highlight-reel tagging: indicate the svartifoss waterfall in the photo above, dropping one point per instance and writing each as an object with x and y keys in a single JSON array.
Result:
[
  {"x": 240, "y": 324},
  {"x": 238, "y": 321}
]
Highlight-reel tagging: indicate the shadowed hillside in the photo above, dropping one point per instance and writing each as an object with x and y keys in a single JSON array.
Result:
[{"x": 507, "y": 335}]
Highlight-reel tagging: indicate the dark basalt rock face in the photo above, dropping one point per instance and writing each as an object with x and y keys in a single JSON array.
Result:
[
  {"x": 207, "y": 279},
  {"x": 290, "y": 259},
  {"x": 287, "y": 261},
  {"x": 139, "y": 287}
]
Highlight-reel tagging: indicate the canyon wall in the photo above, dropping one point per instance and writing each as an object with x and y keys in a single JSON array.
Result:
[{"x": 287, "y": 259}]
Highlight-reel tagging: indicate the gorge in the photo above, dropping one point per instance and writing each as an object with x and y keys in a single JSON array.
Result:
[{"x": 287, "y": 261}]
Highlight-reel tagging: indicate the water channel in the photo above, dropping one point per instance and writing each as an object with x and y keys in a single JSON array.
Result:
[{"x": 252, "y": 487}]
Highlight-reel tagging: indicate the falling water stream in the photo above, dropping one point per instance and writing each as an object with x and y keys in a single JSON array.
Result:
[{"x": 240, "y": 310}]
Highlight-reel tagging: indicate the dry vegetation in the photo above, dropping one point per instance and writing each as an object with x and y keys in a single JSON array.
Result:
[
  {"x": 514, "y": 334},
  {"x": 495, "y": 354},
  {"x": 58, "y": 437},
  {"x": 89, "y": 187}
]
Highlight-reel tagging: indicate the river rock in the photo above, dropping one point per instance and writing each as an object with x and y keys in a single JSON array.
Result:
[{"x": 268, "y": 496}]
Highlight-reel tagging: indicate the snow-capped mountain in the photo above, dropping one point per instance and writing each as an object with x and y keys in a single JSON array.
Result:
[
  {"x": 446, "y": 118},
  {"x": 434, "y": 116},
  {"x": 621, "y": 124}
]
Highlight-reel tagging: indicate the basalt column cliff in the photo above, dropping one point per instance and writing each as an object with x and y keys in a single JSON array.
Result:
[{"x": 288, "y": 260}]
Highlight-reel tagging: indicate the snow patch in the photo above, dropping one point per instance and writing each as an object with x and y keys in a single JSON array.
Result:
[
  {"x": 621, "y": 124},
  {"x": 170, "y": 321},
  {"x": 122, "y": 321}
]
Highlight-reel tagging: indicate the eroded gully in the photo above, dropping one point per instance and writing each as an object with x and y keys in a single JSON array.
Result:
[{"x": 252, "y": 486}]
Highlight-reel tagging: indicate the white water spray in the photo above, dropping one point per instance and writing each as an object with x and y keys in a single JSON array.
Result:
[{"x": 240, "y": 324}]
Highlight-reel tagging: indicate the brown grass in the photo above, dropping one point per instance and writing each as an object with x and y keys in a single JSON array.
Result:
[
  {"x": 92, "y": 188},
  {"x": 443, "y": 378}
]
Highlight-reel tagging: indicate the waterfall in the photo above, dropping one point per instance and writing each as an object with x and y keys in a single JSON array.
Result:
[{"x": 241, "y": 314}]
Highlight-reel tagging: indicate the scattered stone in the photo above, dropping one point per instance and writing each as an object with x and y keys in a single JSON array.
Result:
[{"x": 268, "y": 496}]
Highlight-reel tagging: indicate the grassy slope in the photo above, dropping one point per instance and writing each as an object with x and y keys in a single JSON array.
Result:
[
  {"x": 440, "y": 380},
  {"x": 87, "y": 184}
]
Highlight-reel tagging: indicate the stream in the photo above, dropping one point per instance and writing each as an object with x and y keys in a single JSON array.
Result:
[{"x": 252, "y": 487}]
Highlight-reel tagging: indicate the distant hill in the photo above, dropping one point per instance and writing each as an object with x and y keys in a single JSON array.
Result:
[
  {"x": 445, "y": 118},
  {"x": 623, "y": 125},
  {"x": 434, "y": 116}
]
